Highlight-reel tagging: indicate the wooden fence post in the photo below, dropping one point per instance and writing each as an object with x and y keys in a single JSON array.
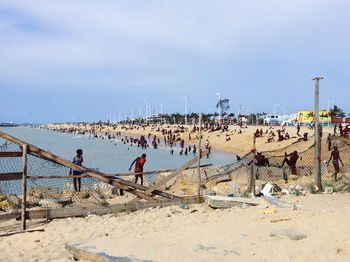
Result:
[
  {"x": 24, "y": 187},
  {"x": 199, "y": 159}
]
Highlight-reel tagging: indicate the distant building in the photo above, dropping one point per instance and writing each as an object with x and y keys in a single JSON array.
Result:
[{"x": 278, "y": 119}]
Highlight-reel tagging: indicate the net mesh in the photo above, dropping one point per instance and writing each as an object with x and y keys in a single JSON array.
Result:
[{"x": 49, "y": 185}]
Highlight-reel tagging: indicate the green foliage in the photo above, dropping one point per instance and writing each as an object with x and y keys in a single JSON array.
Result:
[
  {"x": 295, "y": 191},
  {"x": 245, "y": 194},
  {"x": 130, "y": 208},
  {"x": 117, "y": 211},
  {"x": 224, "y": 105},
  {"x": 330, "y": 184},
  {"x": 311, "y": 188},
  {"x": 337, "y": 112}
]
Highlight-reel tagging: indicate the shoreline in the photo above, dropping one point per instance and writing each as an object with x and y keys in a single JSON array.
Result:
[{"x": 239, "y": 143}]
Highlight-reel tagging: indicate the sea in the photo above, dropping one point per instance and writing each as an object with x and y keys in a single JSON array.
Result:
[{"x": 109, "y": 156}]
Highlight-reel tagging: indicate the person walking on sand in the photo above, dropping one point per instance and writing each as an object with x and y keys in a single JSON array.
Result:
[
  {"x": 336, "y": 158},
  {"x": 298, "y": 129},
  {"x": 78, "y": 160},
  {"x": 139, "y": 163}
]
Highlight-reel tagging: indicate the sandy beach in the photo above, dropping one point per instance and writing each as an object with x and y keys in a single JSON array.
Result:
[
  {"x": 311, "y": 227},
  {"x": 197, "y": 234},
  {"x": 240, "y": 143}
]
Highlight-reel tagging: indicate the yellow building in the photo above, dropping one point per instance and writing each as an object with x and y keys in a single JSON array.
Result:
[{"x": 309, "y": 116}]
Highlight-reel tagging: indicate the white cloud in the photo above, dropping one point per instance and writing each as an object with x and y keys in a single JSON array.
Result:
[{"x": 74, "y": 36}]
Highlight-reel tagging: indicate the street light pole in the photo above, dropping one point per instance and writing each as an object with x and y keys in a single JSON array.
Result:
[
  {"x": 317, "y": 135},
  {"x": 186, "y": 108},
  {"x": 161, "y": 113}
]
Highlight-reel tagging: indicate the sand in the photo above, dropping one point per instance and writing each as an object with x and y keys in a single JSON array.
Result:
[
  {"x": 175, "y": 234},
  {"x": 239, "y": 144},
  {"x": 200, "y": 233}
]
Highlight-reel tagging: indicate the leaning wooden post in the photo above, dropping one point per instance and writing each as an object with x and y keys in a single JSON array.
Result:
[
  {"x": 199, "y": 159},
  {"x": 24, "y": 187}
]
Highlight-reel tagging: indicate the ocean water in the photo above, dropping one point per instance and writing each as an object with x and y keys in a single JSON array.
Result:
[{"x": 108, "y": 156}]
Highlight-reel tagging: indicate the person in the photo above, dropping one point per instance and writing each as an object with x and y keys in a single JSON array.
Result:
[
  {"x": 298, "y": 129},
  {"x": 139, "y": 163},
  {"x": 291, "y": 162},
  {"x": 261, "y": 160},
  {"x": 329, "y": 141},
  {"x": 336, "y": 158},
  {"x": 206, "y": 144},
  {"x": 280, "y": 136},
  {"x": 305, "y": 136},
  {"x": 209, "y": 150},
  {"x": 257, "y": 133},
  {"x": 287, "y": 136},
  {"x": 78, "y": 160}
]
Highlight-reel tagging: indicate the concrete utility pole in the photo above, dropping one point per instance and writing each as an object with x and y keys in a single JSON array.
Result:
[
  {"x": 317, "y": 135},
  {"x": 199, "y": 158},
  {"x": 186, "y": 108}
]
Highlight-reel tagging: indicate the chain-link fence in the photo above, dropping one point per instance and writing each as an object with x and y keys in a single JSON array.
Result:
[
  {"x": 49, "y": 185},
  {"x": 289, "y": 169}
]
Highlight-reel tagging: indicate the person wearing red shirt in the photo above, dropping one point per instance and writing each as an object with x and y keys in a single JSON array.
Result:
[{"x": 139, "y": 163}]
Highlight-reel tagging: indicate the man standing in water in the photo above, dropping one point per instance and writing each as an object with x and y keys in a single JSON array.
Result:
[
  {"x": 140, "y": 161},
  {"x": 336, "y": 158},
  {"x": 78, "y": 160}
]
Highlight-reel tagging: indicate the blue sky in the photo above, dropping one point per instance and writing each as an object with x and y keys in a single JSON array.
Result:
[{"x": 77, "y": 60}]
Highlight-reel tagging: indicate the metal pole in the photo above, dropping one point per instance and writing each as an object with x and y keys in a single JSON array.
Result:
[
  {"x": 24, "y": 187},
  {"x": 199, "y": 159},
  {"x": 317, "y": 136},
  {"x": 186, "y": 108},
  {"x": 161, "y": 113}
]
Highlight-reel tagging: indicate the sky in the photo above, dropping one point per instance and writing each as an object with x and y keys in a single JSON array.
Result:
[{"x": 64, "y": 61}]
